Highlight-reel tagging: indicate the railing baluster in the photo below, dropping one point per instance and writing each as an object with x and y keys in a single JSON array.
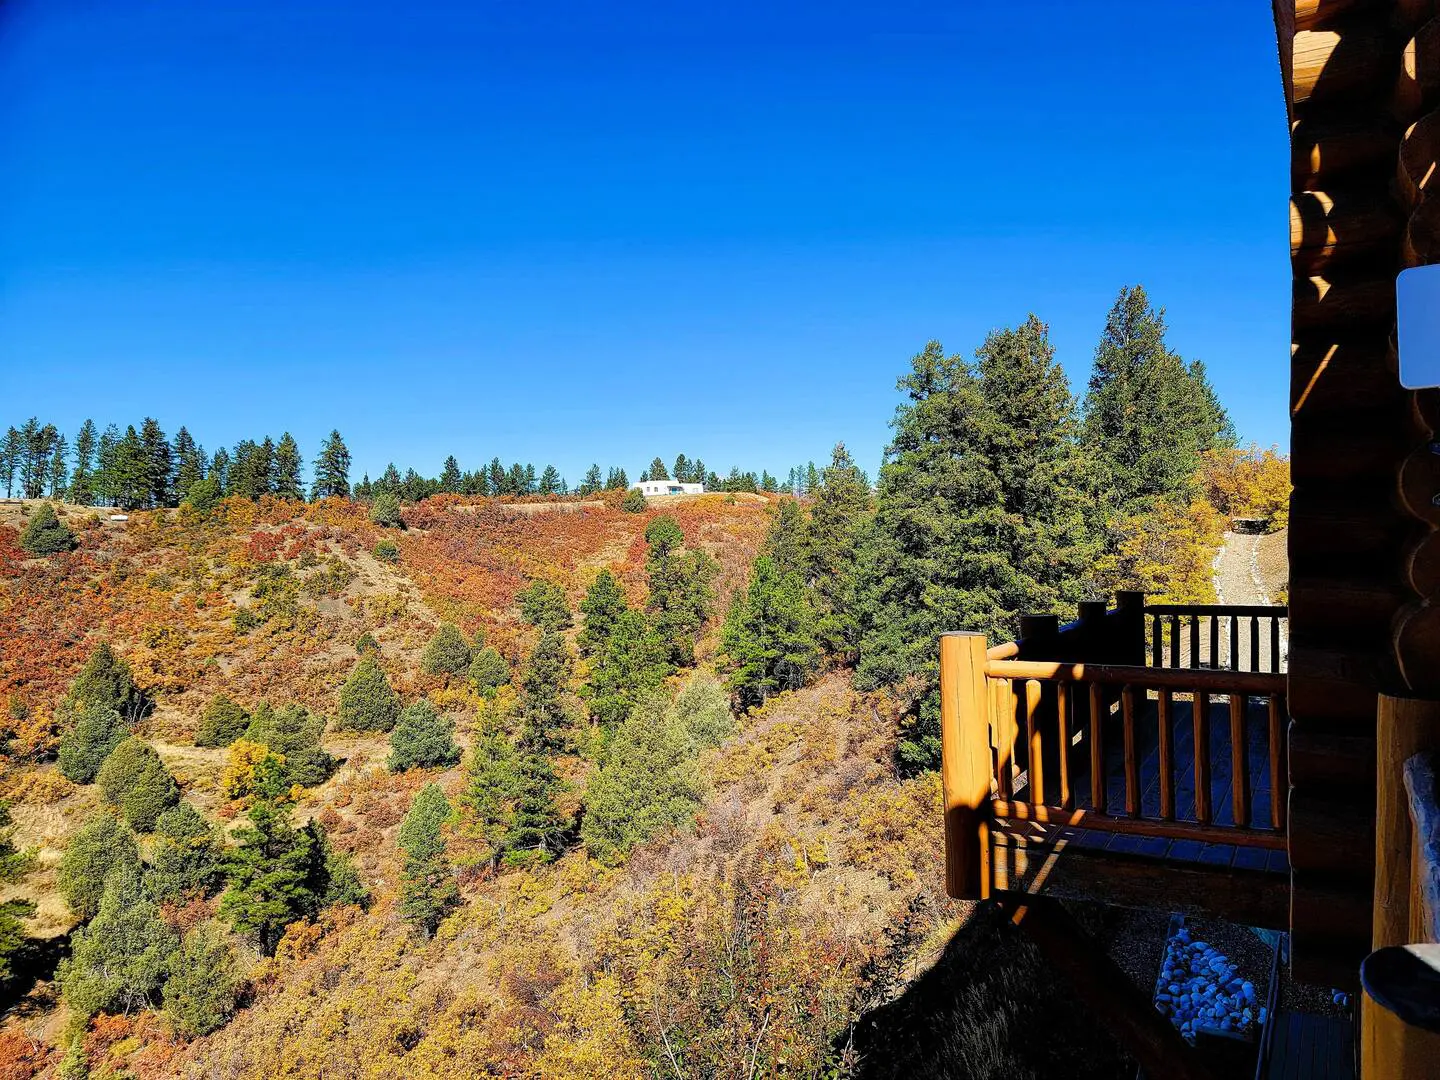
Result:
[
  {"x": 1279, "y": 777},
  {"x": 1132, "y": 756},
  {"x": 1239, "y": 761},
  {"x": 1214, "y": 641},
  {"x": 1201, "y": 710},
  {"x": 1167, "y": 765},
  {"x": 1062, "y": 729},
  {"x": 1194, "y": 641},
  {"x": 1097, "y": 748},
  {"x": 1036, "y": 746},
  {"x": 1274, "y": 643},
  {"x": 1174, "y": 640},
  {"x": 1157, "y": 641},
  {"x": 1234, "y": 643},
  {"x": 1004, "y": 744},
  {"x": 1254, "y": 643}
]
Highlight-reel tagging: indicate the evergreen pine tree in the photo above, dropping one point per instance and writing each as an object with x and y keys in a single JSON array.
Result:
[
  {"x": 1148, "y": 414},
  {"x": 488, "y": 671},
  {"x": 270, "y": 877},
  {"x": 769, "y": 635},
  {"x": 450, "y": 478},
  {"x": 105, "y": 681},
  {"x": 544, "y": 686},
  {"x": 550, "y": 482},
  {"x": 385, "y": 510},
  {"x": 155, "y": 449},
  {"x": 135, "y": 780},
  {"x": 188, "y": 857},
  {"x": 332, "y": 879},
  {"x": 633, "y": 660},
  {"x": 219, "y": 471},
  {"x": 293, "y": 732},
  {"x": 543, "y": 604},
  {"x": 332, "y": 469},
  {"x": 10, "y": 459},
  {"x": 14, "y": 865},
  {"x": 288, "y": 466},
  {"x": 82, "y": 477},
  {"x": 603, "y": 604},
  {"x": 839, "y": 509},
  {"x": 222, "y": 723},
  {"x": 680, "y": 593},
  {"x": 422, "y": 739},
  {"x": 427, "y": 887},
  {"x": 634, "y": 502},
  {"x": 592, "y": 482},
  {"x": 99, "y": 846},
  {"x": 495, "y": 479},
  {"x": 96, "y": 731},
  {"x": 657, "y": 471},
  {"x": 189, "y": 465},
  {"x": 649, "y": 781},
  {"x": 45, "y": 534},
  {"x": 118, "y": 962},
  {"x": 682, "y": 468},
  {"x": 59, "y": 474},
  {"x": 367, "y": 701},
  {"x": 448, "y": 653},
  {"x": 201, "y": 989}
]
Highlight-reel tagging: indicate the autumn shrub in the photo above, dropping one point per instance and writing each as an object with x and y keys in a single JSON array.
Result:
[
  {"x": 46, "y": 534},
  {"x": 367, "y": 701},
  {"x": 448, "y": 653},
  {"x": 222, "y": 723},
  {"x": 245, "y": 620},
  {"x": 366, "y": 644},
  {"x": 84, "y": 748},
  {"x": 422, "y": 739},
  {"x": 633, "y": 502}
]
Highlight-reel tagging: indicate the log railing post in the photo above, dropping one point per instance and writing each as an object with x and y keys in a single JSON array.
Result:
[
  {"x": 1130, "y": 609},
  {"x": 965, "y": 753},
  {"x": 1405, "y": 726}
]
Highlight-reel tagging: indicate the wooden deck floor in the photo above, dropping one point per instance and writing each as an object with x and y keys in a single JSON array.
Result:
[
  {"x": 1183, "y": 742},
  {"x": 1308, "y": 1047}
]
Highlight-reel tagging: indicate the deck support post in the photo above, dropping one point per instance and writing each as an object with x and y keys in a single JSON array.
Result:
[
  {"x": 966, "y": 763},
  {"x": 1124, "y": 1009},
  {"x": 1405, "y": 726},
  {"x": 1130, "y": 641}
]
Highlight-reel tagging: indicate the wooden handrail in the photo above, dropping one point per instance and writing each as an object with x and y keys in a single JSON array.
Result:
[
  {"x": 1005, "y": 651},
  {"x": 1255, "y": 683},
  {"x": 1278, "y": 611}
]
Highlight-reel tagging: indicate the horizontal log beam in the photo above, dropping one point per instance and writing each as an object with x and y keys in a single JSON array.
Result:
[
  {"x": 1168, "y": 830},
  {"x": 1253, "y": 683}
]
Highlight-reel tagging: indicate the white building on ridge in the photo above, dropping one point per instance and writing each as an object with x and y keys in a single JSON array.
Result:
[{"x": 668, "y": 487}]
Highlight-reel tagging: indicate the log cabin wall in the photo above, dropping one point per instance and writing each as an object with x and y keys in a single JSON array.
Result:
[{"x": 1361, "y": 81}]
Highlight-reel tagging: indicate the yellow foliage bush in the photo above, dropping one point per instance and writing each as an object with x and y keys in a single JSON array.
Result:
[
  {"x": 238, "y": 780},
  {"x": 1248, "y": 483},
  {"x": 1168, "y": 554}
]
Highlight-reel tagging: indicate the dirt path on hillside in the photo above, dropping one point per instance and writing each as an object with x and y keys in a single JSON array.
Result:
[{"x": 1239, "y": 581}]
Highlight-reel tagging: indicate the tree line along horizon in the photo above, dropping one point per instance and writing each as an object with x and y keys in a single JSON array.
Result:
[
  {"x": 145, "y": 469},
  {"x": 1001, "y": 494}
]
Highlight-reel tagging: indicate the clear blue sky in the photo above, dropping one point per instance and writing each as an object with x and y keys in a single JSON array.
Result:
[{"x": 600, "y": 231}]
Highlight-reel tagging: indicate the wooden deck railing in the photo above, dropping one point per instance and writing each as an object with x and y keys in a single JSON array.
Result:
[
  {"x": 1240, "y": 638},
  {"x": 1072, "y": 726}
]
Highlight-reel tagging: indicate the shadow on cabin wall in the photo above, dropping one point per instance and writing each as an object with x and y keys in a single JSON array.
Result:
[{"x": 989, "y": 1009}]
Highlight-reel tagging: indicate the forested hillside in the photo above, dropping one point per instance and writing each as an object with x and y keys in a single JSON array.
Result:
[{"x": 473, "y": 776}]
